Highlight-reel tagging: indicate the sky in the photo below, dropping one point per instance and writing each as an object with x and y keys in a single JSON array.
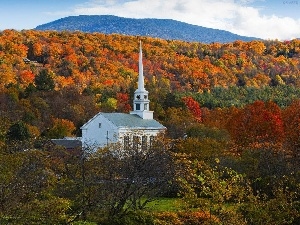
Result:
[{"x": 266, "y": 19}]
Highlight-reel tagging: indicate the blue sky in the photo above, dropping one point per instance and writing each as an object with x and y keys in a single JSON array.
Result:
[{"x": 268, "y": 19}]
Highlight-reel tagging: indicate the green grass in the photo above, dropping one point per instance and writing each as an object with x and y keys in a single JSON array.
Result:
[{"x": 166, "y": 205}]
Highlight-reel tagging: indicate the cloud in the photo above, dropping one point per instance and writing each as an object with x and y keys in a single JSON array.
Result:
[{"x": 236, "y": 16}]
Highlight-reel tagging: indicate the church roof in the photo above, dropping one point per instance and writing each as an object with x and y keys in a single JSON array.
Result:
[
  {"x": 129, "y": 121},
  {"x": 132, "y": 120}
]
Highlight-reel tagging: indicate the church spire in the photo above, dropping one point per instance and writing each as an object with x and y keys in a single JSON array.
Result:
[
  {"x": 141, "y": 101},
  {"x": 141, "y": 85}
]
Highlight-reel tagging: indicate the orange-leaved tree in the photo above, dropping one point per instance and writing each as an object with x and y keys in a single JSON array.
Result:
[
  {"x": 26, "y": 77},
  {"x": 61, "y": 128},
  {"x": 257, "y": 125}
]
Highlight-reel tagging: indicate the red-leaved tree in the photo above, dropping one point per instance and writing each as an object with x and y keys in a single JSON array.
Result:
[
  {"x": 194, "y": 107},
  {"x": 256, "y": 125},
  {"x": 123, "y": 102}
]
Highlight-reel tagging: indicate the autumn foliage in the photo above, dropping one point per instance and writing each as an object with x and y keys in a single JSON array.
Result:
[
  {"x": 123, "y": 104},
  {"x": 291, "y": 118},
  {"x": 193, "y": 106},
  {"x": 257, "y": 124},
  {"x": 98, "y": 60},
  {"x": 51, "y": 76},
  {"x": 231, "y": 112}
]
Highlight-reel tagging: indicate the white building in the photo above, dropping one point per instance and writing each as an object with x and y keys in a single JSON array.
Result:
[{"x": 137, "y": 127}]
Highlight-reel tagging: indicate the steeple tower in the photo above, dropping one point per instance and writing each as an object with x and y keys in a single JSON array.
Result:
[{"x": 141, "y": 101}]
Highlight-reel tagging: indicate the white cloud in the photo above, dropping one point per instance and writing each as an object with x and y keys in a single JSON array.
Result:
[{"x": 232, "y": 15}]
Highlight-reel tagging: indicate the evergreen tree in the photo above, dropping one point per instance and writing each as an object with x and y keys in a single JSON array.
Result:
[
  {"x": 18, "y": 131},
  {"x": 44, "y": 81}
]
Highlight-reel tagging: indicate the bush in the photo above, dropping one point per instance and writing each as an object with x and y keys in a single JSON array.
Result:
[{"x": 185, "y": 218}]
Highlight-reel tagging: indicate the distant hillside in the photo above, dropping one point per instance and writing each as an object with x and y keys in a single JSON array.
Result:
[{"x": 160, "y": 28}]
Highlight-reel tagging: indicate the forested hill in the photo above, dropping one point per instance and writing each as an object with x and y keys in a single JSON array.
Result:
[
  {"x": 160, "y": 28},
  {"x": 238, "y": 162},
  {"x": 103, "y": 65}
]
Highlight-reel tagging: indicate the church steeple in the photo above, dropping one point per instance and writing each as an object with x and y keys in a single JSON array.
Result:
[
  {"x": 141, "y": 101},
  {"x": 141, "y": 86}
]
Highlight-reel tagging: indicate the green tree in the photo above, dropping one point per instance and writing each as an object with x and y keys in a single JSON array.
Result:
[
  {"x": 44, "y": 81},
  {"x": 119, "y": 180},
  {"x": 281, "y": 209},
  {"x": 177, "y": 120},
  {"x": 18, "y": 131},
  {"x": 211, "y": 188},
  {"x": 27, "y": 183}
]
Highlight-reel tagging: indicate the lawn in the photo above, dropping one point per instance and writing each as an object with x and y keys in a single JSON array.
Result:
[{"x": 166, "y": 205}]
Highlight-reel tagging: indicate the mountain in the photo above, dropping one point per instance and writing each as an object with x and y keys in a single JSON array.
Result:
[{"x": 160, "y": 28}]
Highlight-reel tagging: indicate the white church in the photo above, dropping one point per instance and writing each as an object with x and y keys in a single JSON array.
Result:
[{"x": 138, "y": 127}]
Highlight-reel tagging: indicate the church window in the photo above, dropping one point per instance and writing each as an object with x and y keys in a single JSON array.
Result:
[
  {"x": 100, "y": 125},
  {"x": 144, "y": 142},
  {"x": 151, "y": 142},
  {"x": 135, "y": 143},
  {"x": 145, "y": 106},
  {"x": 138, "y": 106},
  {"x": 145, "y": 96},
  {"x": 138, "y": 97},
  {"x": 126, "y": 142}
]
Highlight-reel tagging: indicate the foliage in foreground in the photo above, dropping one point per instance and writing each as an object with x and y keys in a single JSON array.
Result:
[{"x": 54, "y": 186}]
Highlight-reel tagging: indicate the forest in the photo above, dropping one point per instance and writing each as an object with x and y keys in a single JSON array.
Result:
[{"x": 231, "y": 153}]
